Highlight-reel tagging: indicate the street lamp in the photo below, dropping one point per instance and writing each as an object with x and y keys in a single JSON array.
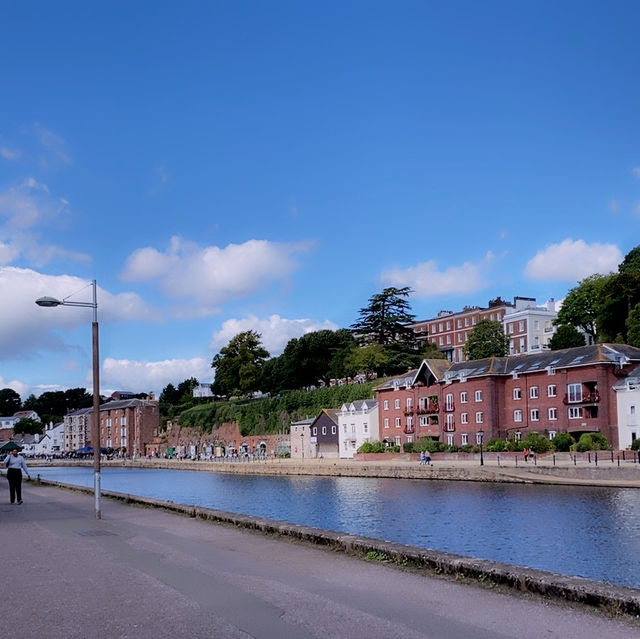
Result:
[
  {"x": 95, "y": 438},
  {"x": 480, "y": 438}
]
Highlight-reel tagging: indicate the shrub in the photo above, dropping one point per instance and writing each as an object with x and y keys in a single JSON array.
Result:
[
  {"x": 372, "y": 447},
  {"x": 635, "y": 444},
  {"x": 496, "y": 445},
  {"x": 591, "y": 441},
  {"x": 536, "y": 442},
  {"x": 408, "y": 447},
  {"x": 562, "y": 442}
]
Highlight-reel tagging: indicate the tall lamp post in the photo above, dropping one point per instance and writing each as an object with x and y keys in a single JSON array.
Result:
[
  {"x": 95, "y": 435},
  {"x": 480, "y": 439}
]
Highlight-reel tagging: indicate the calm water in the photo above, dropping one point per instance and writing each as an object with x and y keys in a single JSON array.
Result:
[{"x": 587, "y": 532}]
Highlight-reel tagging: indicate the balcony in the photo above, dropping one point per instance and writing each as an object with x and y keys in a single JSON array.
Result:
[
  {"x": 409, "y": 430},
  {"x": 408, "y": 411},
  {"x": 587, "y": 398}
]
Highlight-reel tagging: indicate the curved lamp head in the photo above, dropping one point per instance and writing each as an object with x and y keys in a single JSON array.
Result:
[{"x": 48, "y": 301}]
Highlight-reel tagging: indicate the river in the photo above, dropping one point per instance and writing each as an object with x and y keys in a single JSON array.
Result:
[{"x": 580, "y": 531}]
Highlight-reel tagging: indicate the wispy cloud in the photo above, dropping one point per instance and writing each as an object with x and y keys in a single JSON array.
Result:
[
  {"x": 54, "y": 149},
  {"x": 10, "y": 154},
  {"x": 276, "y": 331},
  {"x": 25, "y": 210},
  {"x": 212, "y": 275},
  {"x": 573, "y": 260},
  {"x": 428, "y": 280},
  {"x": 635, "y": 171}
]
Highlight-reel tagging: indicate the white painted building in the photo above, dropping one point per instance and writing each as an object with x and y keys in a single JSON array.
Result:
[
  {"x": 202, "y": 390},
  {"x": 357, "y": 423},
  {"x": 51, "y": 442},
  {"x": 628, "y": 406},
  {"x": 529, "y": 327}
]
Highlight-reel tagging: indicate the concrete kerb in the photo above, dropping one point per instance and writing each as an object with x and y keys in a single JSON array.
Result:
[{"x": 610, "y": 598}]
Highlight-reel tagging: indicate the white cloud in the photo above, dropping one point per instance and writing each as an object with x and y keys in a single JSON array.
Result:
[
  {"x": 276, "y": 331},
  {"x": 25, "y": 210},
  {"x": 635, "y": 171},
  {"x": 9, "y": 154},
  {"x": 427, "y": 280},
  {"x": 55, "y": 151},
  {"x": 145, "y": 376},
  {"x": 212, "y": 275},
  {"x": 573, "y": 261},
  {"x": 24, "y": 327},
  {"x": 19, "y": 387}
]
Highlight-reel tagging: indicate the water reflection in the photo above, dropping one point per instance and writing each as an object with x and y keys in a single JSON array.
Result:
[{"x": 589, "y": 532}]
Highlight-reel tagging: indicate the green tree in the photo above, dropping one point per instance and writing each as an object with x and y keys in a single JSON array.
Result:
[
  {"x": 566, "y": 336},
  {"x": 28, "y": 426},
  {"x": 428, "y": 350},
  {"x": 631, "y": 262},
  {"x": 618, "y": 297},
  {"x": 487, "y": 339},
  {"x": 238, "y": 365},
  {"x": 76, "y": 398},
  {"x": 633, "y": 327},
  {"x": 562, "y": 442},
  {"x": 10, "y": 402},
  {"x": 368, "y": 359},
  {"x": 582, "y": 305},
  {"x": 386, "y": 319}
]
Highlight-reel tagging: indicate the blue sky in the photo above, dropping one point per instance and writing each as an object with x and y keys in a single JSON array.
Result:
[{"x": 225, "y": 166}]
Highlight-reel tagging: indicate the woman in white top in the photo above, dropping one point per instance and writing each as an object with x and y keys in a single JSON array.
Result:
[{"x": 15, "y": 465}]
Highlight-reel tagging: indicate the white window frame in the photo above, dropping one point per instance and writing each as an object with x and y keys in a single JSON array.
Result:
[
  {"x": 574, "y": 393},
  {"x": 386, "y": 422},
  {"x": 552, "y": 390},
  {"x": 517, "y": 416},
  {"x": 517, "y": 393},
  {"x": 464, "y": 418},
  {"x": 478, "y": 396},
  {"x": 535, "y": 415},
  {"x": 463, "y": 397},
  {"x": 552, "y": 414},
  {"x": 385, "y": 404},
  {"x": 575, "y": 412},
  {"x": 533, "y": 392},
  {"x": 479, "y": 417}
]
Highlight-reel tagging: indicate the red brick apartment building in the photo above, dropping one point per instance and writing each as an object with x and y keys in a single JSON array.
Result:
[
  {"x": 127, "y": 425},
  {"x": 550, "y": 392},
  {"x": 449, "y": 331}
]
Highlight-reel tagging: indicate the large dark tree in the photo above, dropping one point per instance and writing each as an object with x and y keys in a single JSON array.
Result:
[
  {"x": 566, "y": 336},
  {"x": 9, "y": 402},
  {"x": 582, "y": 305},
  {"x": 487, "y": 339},
  {"x": 633, "y": 327},
  {"x": 28, "y": 426},
  {"x": 386, "y": 319},
  {"x": 239, "y": 364}
]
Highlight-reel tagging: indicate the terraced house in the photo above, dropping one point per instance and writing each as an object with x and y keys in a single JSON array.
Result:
[{"x": 570, "y": 390}]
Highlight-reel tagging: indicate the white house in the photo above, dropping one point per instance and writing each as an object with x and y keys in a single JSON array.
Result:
[
  {"x": 202, "y": 390},
  {"x": 357, "y": 423},
  {"x": 528, "y": 326},
  {"x": 52, "y": 442},
  {"x": 628, "y": 404}
]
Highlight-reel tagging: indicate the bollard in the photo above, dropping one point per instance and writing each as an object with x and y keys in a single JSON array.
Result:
[
  {"x": 612, "y": 455},
  {"x": 554, "y": 459},
  {"x": 589, "y": 456},
  {"x": 575, "y": 458},
  {"x": 623, "y": 455},
  {"x": 618, "y": 460},
  {"x": 498, "y": 456},
  {"x": 596, "y": 457},
  {"x": 516, "y": 460}
]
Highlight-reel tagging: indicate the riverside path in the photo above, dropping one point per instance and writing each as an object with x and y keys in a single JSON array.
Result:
[{"x": 148, "y": 573}]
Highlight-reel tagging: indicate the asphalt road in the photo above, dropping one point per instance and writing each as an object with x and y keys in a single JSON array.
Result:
[{"x": 146, "y": 573}]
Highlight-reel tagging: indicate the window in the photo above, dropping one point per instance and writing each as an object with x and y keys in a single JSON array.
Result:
[
  {"x": 448, "y": 326},
  {"x": 449, "y": 401},
  {"x": 521, "y": 326},
  {"x": 409, "y": 402},
  {"x": 510, "y": 328},
  {"x": 386, "y": 422},
  {"x": 440, "y": 326},
  {"x": 397, "y": 403},
  {"x": 440, "y": 341},
  {"x": 398, "y": 422},
  {"x": 464, "y": 418},
  {"x": 517, "y": 393},
  {"x": 344, "y": 429},
  {"x": 333, "y": 429},
  {"x": 123, "y": 421},
  {"x": 324, "y": 430},
  {"x": 463, "y": 397},
  {"x": 535, "y": 415},
  {"x": 552, "y": 390},
  {"x": 575, "y": 412},
  {"x": 465, "y": 439},
  {"x": 533, "y": 392},
  {"x": 398, "y": 441},
  {"x": 553, "y": 414},
  {"x": 423, "y": 421},
  {"x": 365, "y": 428},
  {"x": 575, "y": 393},
  {"x": 632, "y": 410},
  {"x": 450, "y": 425},
  {"x": 478, "y": 438},
  {"x": 449, "y": 440},
  {"x": 466, "y": 321},
  {"x": 478, "y": 396},
  {"x": 459, "y": 323},
  {"x": 409, "y": 422},
  {"x": 315, "y": 430},
  {"x": 386, "y": 404},
  {"x": 517, "y": 415},
  {"x": 479, "y": 417},
  {"x": 448, "y": 339}
]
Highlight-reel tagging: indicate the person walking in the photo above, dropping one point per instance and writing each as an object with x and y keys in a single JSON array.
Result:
[{"x": 15, "y": 464}]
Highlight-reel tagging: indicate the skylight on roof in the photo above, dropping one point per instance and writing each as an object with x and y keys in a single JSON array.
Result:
[
  {"x": 518, "y": 367},
  {"x": 577, "y": 359},
  {"x": 555, "y": 361},
  {"x": 535, "y": 365}
]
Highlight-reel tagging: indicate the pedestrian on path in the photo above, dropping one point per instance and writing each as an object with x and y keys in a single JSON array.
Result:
[{"x": 15, "y": 464}]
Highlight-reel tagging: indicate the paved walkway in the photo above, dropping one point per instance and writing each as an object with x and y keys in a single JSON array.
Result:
[{"x": 147, "y": 573}]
